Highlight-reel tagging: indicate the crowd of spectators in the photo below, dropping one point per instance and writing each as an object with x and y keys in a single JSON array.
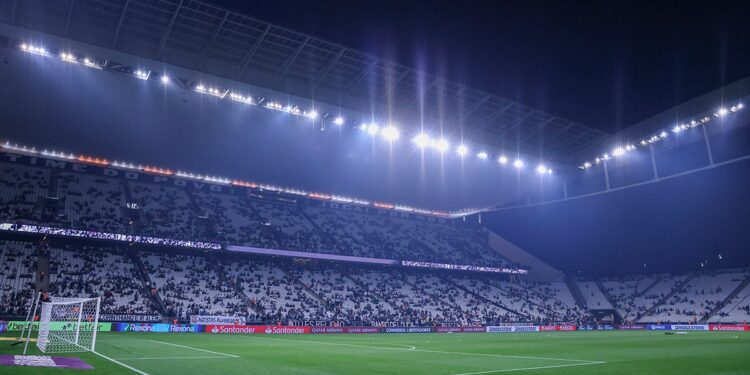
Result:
[
  {"x": 99, "y": 272},
  {"x": 17, "y": 269},
  {"x": 184, "y": 284},
  {"x": 104, "y": 204}
]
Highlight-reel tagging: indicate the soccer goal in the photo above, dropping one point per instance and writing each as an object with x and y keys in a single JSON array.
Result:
[{"x": 67, "y": 325}]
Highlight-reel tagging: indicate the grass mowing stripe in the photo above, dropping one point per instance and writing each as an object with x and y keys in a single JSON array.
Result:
[
  {"x": 198, "y": 349},
  {"x": 531, "y": 368},
  {"x": 161, "y": 358},
  {"x": 120, "y": 363},
  {"x": 438, "y": 351}
]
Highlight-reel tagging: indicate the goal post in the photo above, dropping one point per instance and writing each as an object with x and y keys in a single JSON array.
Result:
[{"x": 68, "y": 325}]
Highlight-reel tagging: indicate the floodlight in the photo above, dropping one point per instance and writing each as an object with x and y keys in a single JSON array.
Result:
[
  {"x": 441, "y": 145},
  {"x": 164, "y": 79},
  {"x": 462, "y": 150},
  {"x": 541, "y": 169},
  {"x": 312, "y": 114},
  {"x": 339, "y": 120},
  {"x": 518, "y": 163},
  {"x": 723, "y": 111},
  {"x": 482, "y": 155},
  {"x": 502, "y": 159},
  {"x": 422, "y": 140},
  {"x": 373, "y": 129},
  {"x": 390, "y": 133},
  {"x": 618, "y": 151}
]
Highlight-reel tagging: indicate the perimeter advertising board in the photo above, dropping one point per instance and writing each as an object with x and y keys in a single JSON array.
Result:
[
  {"x": 511, "y": 329},
  {"x": 690, "y": 327},
  {"x": 268, "y": 330},
  {"x": 459, "y": 329},
  {"x": 163, "y": 328},
  {"x": 729, "y": 327},
  {"x": 345, "y": 330},
  {"x": 18, "y": 325}
]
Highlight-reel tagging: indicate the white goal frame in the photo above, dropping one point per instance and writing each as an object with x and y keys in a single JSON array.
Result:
[{"x": 68, "y": 312}]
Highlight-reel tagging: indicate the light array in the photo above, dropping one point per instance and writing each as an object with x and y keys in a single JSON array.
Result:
[
  {"x": 37, "y": 50},
  {"x": 219, "y": 93},
  {"x": 102, "y": 162},
  {"x": 291, "y": 109},
  {"x": 389, "y": 133},
  {"x": 622, "y": 150},
  {"x": 142, "y": 74}
]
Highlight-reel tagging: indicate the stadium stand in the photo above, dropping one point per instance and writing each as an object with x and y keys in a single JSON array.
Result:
[
  {"x": 93, "y": 272},
  {"x": 18, "y": 267},
  {"x": 595, "y": 299},
  {"x": 698, "y": 297},
  {"x": 135, "y": 280},
  {"x": 188, "y": 285},
  {"x": 90, "y": 202},
  {"x": 21, "y": 188}
]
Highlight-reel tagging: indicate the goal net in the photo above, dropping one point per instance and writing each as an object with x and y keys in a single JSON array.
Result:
[{"x": 68, "y": 325}]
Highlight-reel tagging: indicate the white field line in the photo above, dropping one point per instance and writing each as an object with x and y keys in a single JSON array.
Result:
[
  {"x": 439, "y": 351},
  {"x": 121, "y": 364},
  {"x": 198, "y": 349},
  {"x": 530, "y": 368}
]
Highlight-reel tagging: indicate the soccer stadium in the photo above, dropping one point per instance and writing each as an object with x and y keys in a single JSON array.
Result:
[{"x": 455, "y": 188}]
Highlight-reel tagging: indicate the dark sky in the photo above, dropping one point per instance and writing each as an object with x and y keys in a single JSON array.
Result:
[{"x": 606, "y": 64}]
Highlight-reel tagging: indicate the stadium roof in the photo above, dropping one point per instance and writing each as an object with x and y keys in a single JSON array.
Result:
[{"x": 209, "y": 39}]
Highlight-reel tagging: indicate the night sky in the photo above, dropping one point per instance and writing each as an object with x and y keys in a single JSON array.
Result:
[{"x": 606, "y": 64}]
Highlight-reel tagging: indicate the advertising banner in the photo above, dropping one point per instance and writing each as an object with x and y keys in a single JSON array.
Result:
[
  {"x": 3, "y": 326},
  {"x": 150, "y": 327},
  {"x": 17, "y": 325},
  {"x": 407, "y": 329},
  {"x": 218, "y": 320},
  {"x": 690, "y": 327},
  {"x": 568, "y": 327},
  {"x": 729, "y": 327},
  {"x": 345, "y": 330},
  {"x": 658, "y": 327},
  {"x": 130, "y": 318},
  {"x": 509, "y": 329},
  {"x": 631, "y": 327},
  {"x": 458, "y": 329},
  {"x": 268, "y": 330}
]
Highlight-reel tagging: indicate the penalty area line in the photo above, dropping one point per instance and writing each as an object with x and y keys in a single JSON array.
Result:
[
  {"x": 198, "y": 349},
  {"x": 531, "y": 368}
]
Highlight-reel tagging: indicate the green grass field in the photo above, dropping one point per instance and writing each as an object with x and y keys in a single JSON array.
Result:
[{"x": 614, "y": 352}]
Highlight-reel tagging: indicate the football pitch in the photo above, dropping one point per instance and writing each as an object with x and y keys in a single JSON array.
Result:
[{"x": 613, "y": 352}]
